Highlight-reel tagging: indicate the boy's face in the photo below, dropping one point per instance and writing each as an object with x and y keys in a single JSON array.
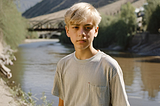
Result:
[{"x": 82, "y": 34}]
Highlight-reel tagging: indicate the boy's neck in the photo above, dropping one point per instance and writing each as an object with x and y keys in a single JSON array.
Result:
[{"x": 85, "y": 54}]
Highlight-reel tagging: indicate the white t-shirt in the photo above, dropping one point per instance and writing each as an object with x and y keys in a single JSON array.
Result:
[{"x": 97, "y": 81}]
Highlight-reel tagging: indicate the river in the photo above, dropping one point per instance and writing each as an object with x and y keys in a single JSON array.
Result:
[{"x": 35, "y": 67}]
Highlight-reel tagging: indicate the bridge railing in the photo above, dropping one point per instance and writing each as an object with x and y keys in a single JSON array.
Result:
[{"x": 47, "y": 25}]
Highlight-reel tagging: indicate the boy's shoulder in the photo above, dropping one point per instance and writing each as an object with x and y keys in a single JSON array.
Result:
[
  {"x": 110, "y": 63},
  {"x": 66, "y": 58},
  {"x": 108, "y": 60}
]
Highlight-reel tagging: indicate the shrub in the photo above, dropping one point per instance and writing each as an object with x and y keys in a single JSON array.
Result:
[
  {"x": 128, "y": 16},
  {"x": 152, "y": 16},
  {"x": 13, "y": 25},
  {"x": 103, "y": 39},
  {"x": 64, "y": 38},
  {"x": 115, "y": 33}
]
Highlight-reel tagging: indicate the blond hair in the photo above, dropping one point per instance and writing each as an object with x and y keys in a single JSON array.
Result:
[{"x": 80, "y": 12}]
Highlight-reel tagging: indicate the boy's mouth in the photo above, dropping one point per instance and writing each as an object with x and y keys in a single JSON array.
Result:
[{"x": 81, "y": 41}]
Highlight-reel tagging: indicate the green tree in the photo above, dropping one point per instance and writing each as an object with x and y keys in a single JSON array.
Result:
[
  {"x": 12, "y": 24},
  {"x": 154, "y": 22},
  {"x": 104, "y": 39},
  {"x": 112, "y": 30},
  {"x": 152, "y": 16},
  {"x": 128, "y": 16}
]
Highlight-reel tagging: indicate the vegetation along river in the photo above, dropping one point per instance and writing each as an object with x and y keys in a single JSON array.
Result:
[{"x": 36, "y": 63}]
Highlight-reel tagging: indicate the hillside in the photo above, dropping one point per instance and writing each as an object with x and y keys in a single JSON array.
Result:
[
  {"x": 109, "y": 9},
  {"x": 23, "y": 5},
  {"x": 50, "y": 6}
]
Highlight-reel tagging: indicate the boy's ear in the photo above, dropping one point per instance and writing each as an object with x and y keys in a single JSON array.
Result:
[
  {"x": 96, "y": 31},
  {"x": 67, "y": 31}
]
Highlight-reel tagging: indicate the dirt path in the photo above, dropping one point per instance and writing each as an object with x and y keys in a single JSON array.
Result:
[{"x": 6, "y": 98}]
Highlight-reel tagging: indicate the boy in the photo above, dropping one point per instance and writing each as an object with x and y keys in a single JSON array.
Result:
[{"x": 87, "y": 77}]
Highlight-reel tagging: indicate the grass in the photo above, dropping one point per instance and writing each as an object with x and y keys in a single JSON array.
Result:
[
  {"x": 23, "y": 98},
  {"x": 28, "y": 99}
]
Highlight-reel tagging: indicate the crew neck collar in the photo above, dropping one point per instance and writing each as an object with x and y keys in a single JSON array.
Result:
[{"x": 85, "y": 60}]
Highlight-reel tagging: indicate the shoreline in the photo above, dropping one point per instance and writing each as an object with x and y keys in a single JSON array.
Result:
[
  {"x": 6, "y": 98},
  {"x": 39, "y": 40}
]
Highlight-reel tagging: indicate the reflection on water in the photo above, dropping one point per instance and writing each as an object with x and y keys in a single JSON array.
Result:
[
  {"x": 36, "y": 64},
  {"x": 142, "y": 79}
]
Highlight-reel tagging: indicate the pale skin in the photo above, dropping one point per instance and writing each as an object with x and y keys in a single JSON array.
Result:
[{"x": 82, "y": 36}]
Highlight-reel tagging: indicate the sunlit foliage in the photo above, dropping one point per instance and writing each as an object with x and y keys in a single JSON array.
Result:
[
  {"x": 128, "y": 16},
  {"x": 12, "y": 25},
  {"x": 117, "y": 29}
]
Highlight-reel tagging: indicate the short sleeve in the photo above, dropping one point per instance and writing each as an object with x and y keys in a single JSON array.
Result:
[
  {"x": 57, "y": 89},
  {"x": 118, "y": 93}
]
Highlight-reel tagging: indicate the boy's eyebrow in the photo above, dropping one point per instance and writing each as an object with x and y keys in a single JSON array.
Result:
[
  {"x": 88, "y": 25},
  {"x": 84, "y": 25},
  {"x": 75, "y": 24}
]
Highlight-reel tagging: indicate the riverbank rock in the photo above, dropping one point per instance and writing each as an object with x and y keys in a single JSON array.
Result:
[
  {"x": 145, "y": 44},
  {"x": 115, "y": 47},
  {"x": 6, "y": 58}
]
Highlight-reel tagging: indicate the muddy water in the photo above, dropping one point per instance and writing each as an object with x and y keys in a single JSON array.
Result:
[{"x": 36, "y": 64}]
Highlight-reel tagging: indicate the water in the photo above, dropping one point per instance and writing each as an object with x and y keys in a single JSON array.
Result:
[{"x": 36, "y": 64}]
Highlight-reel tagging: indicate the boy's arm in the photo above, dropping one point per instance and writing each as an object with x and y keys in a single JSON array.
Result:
[
  {"x": 118, "y": 93},
  {"x": 57, "y": 89},
  {"x": 60, "y": 102}
]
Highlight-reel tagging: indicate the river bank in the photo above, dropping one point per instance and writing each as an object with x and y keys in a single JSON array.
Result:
[
  {"x": 6, "y": 98},
  {"x": 145, "y": 44},
  {"x": 38, "y": 40}
]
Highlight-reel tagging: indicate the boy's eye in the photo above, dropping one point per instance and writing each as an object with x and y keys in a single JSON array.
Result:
[
  {"x": 88, "y": 28},
  {"x": 75, "y": 27}
]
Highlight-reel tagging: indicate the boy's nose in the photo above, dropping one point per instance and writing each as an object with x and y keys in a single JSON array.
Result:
[{"x": 82, "y": 32}]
